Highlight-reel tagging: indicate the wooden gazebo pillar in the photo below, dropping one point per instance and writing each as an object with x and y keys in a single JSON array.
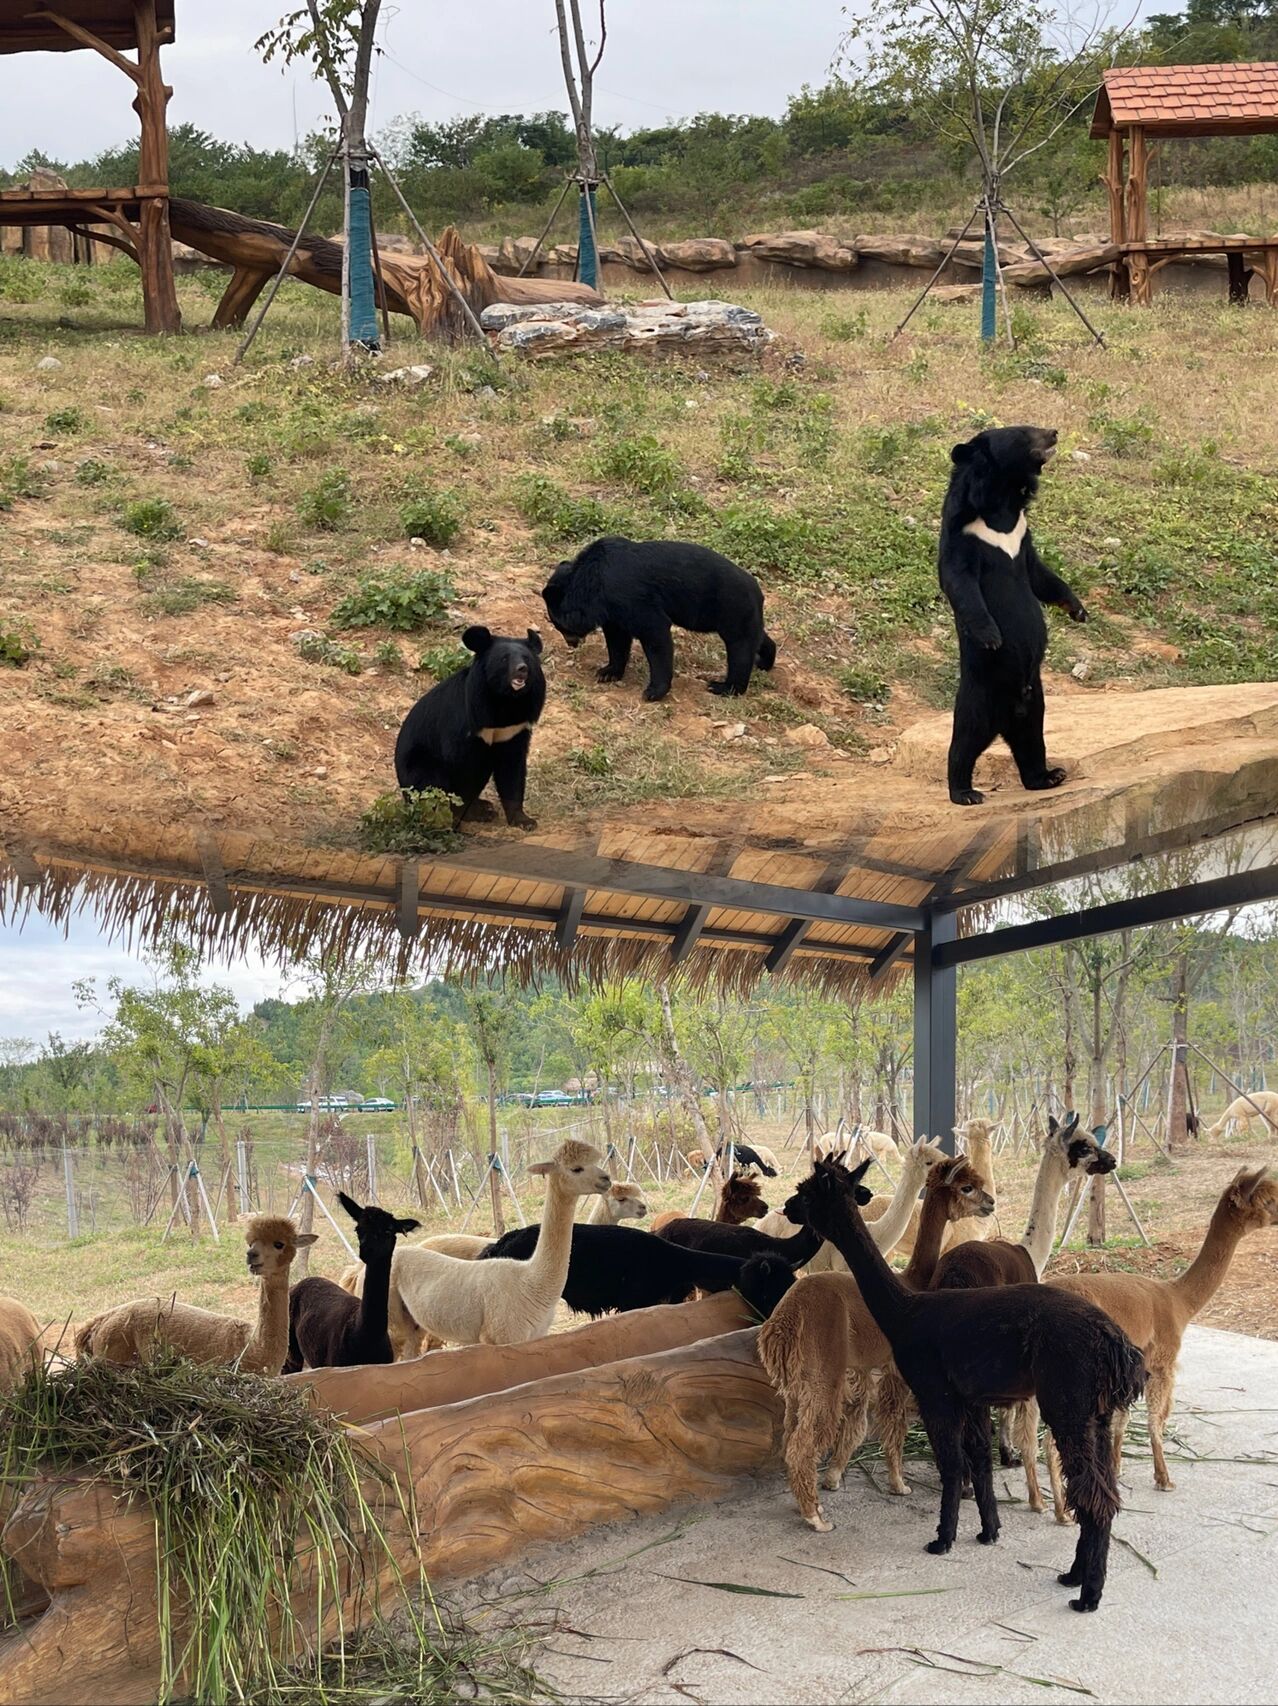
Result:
[
  {"x": 1138, "y": 215},
  {"x": 155, "y": 244},
  {"x": 1120, "y": 283}
]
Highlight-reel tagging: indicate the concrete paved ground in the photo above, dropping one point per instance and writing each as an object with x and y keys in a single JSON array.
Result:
[{"x": 1189, "y": 1613}]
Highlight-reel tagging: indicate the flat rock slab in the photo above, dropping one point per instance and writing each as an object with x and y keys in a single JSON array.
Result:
[
  {"x": 984, "y": 1624},
  {"x": 553, "y": 328}
]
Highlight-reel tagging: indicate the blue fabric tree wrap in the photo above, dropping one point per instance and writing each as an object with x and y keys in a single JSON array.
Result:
[
  {"x": 587, "y": 259},
  {"x": 359, "y": 238}
]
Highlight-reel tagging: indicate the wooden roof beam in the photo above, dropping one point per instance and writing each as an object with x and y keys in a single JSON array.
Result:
[
  {"x": 687, "y": 932},
  {"x": 569, "y": 920},
  {"x": 781, "y": 955}
]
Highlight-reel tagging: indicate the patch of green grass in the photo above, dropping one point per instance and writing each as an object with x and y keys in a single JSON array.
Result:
[
  {"x": 182, "y": 594},
  {"x": 18, "y": 479},
  {"x": 258, "y": 466},
  {"x": 866, "y": 684},
  {"x": 406, "y": 600},
  {"x": 638, "y": 764},
  {"x": 846, "y": 328},
  {"x": 557, "y": 513},
  {"x": 1126, "y": 436},
  {"x": 94, "y": 472},
  {"x": 65, "y": 423},
  {"x": 410, "y": 822},
  {"x": 642, "y": 464},
  {"x": 444, "y": 660},
  {"x": 388, "y": 656},
  {"x": 17, "y": 647},
  {"x": 329, "y": 505},
  {"x": 433, "y": 516},
  {"x": 318, "y": 648},
  {"x": 151, "y": 518}
]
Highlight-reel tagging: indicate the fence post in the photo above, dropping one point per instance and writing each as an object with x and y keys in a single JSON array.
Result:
[
  {"x": 68, "y": 1170},
  {"x": 370, "y": 1149},
  {"x": 241, "y": 1169}
]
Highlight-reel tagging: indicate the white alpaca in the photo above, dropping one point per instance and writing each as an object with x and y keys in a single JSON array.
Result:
[
  {"x": 976, "y": 1138},
  {"x": 127, "y": 1333},
  {"x": 875, "y": 1143},
  {"x": 623, "y": 1201},
  {"x": 501, "y": 1301},
  {"x": 21, "y": 1342},
  {"x": 1257, "y": 1105}
]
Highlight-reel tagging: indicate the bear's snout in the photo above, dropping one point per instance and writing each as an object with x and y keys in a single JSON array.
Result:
[{"x": 519, "y": 676}]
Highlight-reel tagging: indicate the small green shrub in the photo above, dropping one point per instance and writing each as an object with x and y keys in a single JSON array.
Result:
[
  {"x": 151, "y": 518},
  {"x": 1122, "y": 435},
  {"x": 846, "y": 328},
  {"x": 433, "y": 516},
  {"x": 16, "y": 649},
  {"x": 591, "y": 760},
  {"x": 65, "y": 423},
  {"x": 644, "y": 465},
  {"x": 561, "y": 515},
  {"x": 329, "y": 504},
  {"x": 444, "y": 660},
  {"x": 388, "y": 656},
  {"x": 396, "y": 598},
  {"x": 869, "y": 686},
  {"x": 410, "y": 822},
  {"x": 258, "y": 466},
  {"x": 93, "y": 472},
  {"x": 318, "y": 648},
  {"x": 18, "y": 479},
  {"x": 75, "y": 295}
]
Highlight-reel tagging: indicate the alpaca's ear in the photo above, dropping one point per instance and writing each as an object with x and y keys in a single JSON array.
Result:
[
  {"x": 306, "y": 1238},
  {"x": 1250, "y": 1181},
  {"x": 1071, "y": 1121},
  {"x": 350, "y": 1205},
  {"x": 407, "y": 1225},
  {"x": 954, "y": 1169},
  {"x": 1053, "y": 1125},
  {"x": 858, "y": 1173},
  {"x": 540, "y": 1167}
]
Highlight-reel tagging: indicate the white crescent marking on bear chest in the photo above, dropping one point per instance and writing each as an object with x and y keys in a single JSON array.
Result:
[
  {"x": 493, "y": 737},
  {"x": 1009, "y": 542}
]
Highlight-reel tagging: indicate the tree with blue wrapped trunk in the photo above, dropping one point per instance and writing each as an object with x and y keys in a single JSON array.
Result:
[
  {"x": 338, "y": 38},
  {"x": 999, "y": 77},
  {"x": 579, "y": 80}
]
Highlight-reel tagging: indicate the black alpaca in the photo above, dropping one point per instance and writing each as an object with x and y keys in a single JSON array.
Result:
[
  {"x": 745, "y": 1241},
  {"x": 963, "y": 1351},
  {"x": 744, "y": 1156},
  {"x": 620, "y": 1268},
  {"x": 327, "y": 1327}
]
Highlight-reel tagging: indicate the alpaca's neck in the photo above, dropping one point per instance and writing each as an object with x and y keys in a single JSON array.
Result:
[
  {"x": 800, "y": 1249},
  {"x": 927, "y": 1244},
  {"x": 548, "y": 1264},
  {"x": 980, "y": 1153},
  {"x": 600, "y": 1213},
  {"x": 889, "y": 1229},
  {"x": 1040, "y": 1228},
  {"x": 885, "y": 1297},
  {"x": 269, "y": 1340},
  {"x": 373, "y": 1302},
  {"x": 1202, "y": 1278}
]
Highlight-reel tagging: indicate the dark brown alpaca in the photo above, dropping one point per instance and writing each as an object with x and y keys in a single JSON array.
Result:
[
  {"x": 963, "y": 1351},
  {"x": 740, "y": 1200}
]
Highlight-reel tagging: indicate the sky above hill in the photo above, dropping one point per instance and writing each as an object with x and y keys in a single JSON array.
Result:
[{"x": 664, "y": 59}]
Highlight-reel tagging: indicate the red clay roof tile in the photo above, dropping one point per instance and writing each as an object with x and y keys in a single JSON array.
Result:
[{"x": 1171, "y": 97}]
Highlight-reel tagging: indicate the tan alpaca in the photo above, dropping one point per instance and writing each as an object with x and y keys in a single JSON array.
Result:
[
  {"x": 21, "y": 1342},
  {"x": 1154, "y": 1313},
  {"x": 500, "y": 1301},
  {"x": 623, "y": 1201},
  {"x": 875, "y": 1143},
  {"x": 127, "y": 1333},
  {"x": 821, "y": 1347},
  {"x": 1258, "y": 1105},
  {"x": 976, "y": 1138}
]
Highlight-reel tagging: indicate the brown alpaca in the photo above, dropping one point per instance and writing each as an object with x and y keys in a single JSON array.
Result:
[
  {"x": 21, "y": 1342},
  {"x": 740, "y": 1201},
  {"x": 976, "y": 1140},
  {"x": 821, "y": 1347},
  {"x": 127, "y": 1333},
  {"x": 1154, "y": 1313}
]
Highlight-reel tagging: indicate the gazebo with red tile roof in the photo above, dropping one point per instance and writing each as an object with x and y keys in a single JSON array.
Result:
[
  {"x": 1138, "y": 103},
  {"x": 139, "y": 212}
]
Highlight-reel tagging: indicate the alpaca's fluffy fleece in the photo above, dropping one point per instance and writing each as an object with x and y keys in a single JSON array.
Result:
[
  {"x": 499, "y": 1301},
  {"x": 624, "y": 1201},
  {"x": 21, "y": 1342},
  {"x": 875, "y": 1143},
  {"x": 127, "y": 1333},
  {"x": 1259, "y": 1105}
]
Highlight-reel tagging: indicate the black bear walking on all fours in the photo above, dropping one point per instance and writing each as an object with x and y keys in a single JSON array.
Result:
[
  {"x": 997, "y": 583},
  {"x": 639, "y": 591},
  {"x": 476, "y": 726}
]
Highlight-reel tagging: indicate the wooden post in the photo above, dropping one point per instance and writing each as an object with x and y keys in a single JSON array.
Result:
[
  {"x": 155, "y": 244},
  {"x": 1138, "y": 215},
  {"x": 1120, "y": 284}
]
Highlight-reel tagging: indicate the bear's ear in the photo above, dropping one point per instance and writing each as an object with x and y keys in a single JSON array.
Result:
[
  {"x": 477, "y": 639},
  {"x": 534, "y": 640},
  {"x": 962, "y": 453}
]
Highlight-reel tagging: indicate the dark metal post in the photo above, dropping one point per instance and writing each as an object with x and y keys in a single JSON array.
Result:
[{"x": 935, "y": 1032}]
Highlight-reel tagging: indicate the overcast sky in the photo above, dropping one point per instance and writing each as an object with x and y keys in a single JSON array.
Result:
[{"x": 664, "y": 59}]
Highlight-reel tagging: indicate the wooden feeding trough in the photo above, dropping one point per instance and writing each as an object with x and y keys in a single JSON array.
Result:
[
  {"x": 138, "y": 213},
  {"x": 493, "y": 1450},
  {"x": 1143, "y": 104}
]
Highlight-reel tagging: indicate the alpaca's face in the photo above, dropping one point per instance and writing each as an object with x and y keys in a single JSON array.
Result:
[
  {"x": 628, "y": 1203},
  {"x": 1255, "y": 1196},
  {"x": 826, "y": 1195}
]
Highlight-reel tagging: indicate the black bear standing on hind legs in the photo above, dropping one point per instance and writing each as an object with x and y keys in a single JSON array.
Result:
[
  {"x": 476, "y": 726},
  {"x": 638, "y": 591},
  {"x": 996, "y": 583}
]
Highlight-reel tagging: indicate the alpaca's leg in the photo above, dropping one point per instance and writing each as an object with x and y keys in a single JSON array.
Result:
[
  {"x": 893, "y": 1402},
  {"x": 1060, "y": 1507},
  {"x": 1007, "y": 1452},
  {"x": 944, "y": 1424},
  {"x": 805, "y": 1439},
  {"x": 1093, "y": 1492},
  {"x": 851, "y": 1432},
  {"x": 1158, "y": 1401},
  {"x": 1025, "y": 1417},
  {"x": 978, "y": 1456}
]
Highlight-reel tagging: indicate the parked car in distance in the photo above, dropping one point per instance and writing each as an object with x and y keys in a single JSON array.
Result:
[
  {"x": 328, "y": 1105},
  {"x": 376, "y": 1105}
]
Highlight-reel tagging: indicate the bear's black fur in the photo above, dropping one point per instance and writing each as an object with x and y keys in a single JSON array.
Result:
[
  {"x": 637, "y": 591},
  {"x": 476, "y": 726},
  {"x": 996, "y": 587}
]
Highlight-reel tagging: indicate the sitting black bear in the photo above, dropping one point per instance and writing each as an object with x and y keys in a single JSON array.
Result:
[
  {"x": 996, "y": 582},
  {"x": 476, "y": 726},
  {"x": 637, "y": 591}
]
